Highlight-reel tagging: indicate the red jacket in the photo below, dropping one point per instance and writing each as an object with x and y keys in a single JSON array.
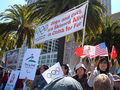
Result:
[{"x": 4, "y": 78}]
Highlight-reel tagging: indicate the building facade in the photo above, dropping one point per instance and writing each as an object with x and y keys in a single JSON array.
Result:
[
  {"x": 116, "y": 16},
  {"x": 107, "y": 3},
  {"x": 49, "y": 53},
  {"x": 31, "y": 1}
]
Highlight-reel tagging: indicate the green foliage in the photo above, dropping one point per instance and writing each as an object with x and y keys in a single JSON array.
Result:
[
  {"x": 110, "y": 35},
  {"x": 18, "y": 26}
]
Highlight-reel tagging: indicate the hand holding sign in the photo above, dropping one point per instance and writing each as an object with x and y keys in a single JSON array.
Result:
[
  {"x": 29, "y": 65},
  {"x": 12, "y": 80}
]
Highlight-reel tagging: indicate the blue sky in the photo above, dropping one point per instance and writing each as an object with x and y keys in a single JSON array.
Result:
[
  {"x": 115, "y": 6},
  {"x": 4, "y": 4}
]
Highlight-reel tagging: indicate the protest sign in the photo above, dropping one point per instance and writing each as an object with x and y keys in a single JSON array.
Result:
[
  {"x": 11, "y": 58},
  {"x": 12, "y": 80},
  {"x": 53, "y": 72},
  {"x": 29, "y": 65}
]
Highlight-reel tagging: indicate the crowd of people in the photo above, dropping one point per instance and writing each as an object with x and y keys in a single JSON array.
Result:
[{"x": 98, "y": 78}]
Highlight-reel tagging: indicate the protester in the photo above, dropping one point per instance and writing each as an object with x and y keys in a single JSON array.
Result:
[
  {"x": 39, "y": 82},
  {"x": 4, "y": 79},
  {"x": 66, "y": 83},
  {"x": 1, "y": 74},
  {"x": 65, "y": 69},
  {"x": 117, "y": 82},
  {"x": 81, "y": 76},
  {"x": 102, "y": 82},
  {"x": 102, "y": 68},
  {"x": 1, "y": 71},
  {"x": 19, "y": 84}
]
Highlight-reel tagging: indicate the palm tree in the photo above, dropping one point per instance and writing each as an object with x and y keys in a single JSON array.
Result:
[
  {"x": 38, "y": 10},
  {"x": 110, "y": 35},
  {"x": 18, "y": 23},
  {"x": 7, "y": 42}
]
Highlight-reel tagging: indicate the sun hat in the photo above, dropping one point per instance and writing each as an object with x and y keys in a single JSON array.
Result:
[{"x": 80, "y": 65}]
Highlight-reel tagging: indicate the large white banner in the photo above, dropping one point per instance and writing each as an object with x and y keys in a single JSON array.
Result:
[
  {"x": 29, "y": 65},
  {"x": 12, "y": 80},
  {"x": 61, "y": 25},
  {"x": 53, "y": 72}
]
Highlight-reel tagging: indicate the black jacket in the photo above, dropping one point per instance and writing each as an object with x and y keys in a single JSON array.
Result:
[{"x": 83, "y": 82}]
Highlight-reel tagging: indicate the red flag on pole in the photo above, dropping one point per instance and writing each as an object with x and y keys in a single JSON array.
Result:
[
  {"x": 113, "y": 54},
  {"x": 79, "y": 52}
]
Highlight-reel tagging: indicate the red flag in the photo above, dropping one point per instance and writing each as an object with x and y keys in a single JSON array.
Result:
[
  {"x": 113, "y": 54},
  {"x": 79, "y": 52}
]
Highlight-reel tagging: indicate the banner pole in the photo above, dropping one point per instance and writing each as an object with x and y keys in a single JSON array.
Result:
[
  {"x": 24, "y": 85},
  {"x": 110, "y": 58},
  {"x": 83, "y": 37}
]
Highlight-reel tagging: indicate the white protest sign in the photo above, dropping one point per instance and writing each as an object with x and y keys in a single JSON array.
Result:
[
  {"x": 11, "y": 58},
  {"x": 62, "y": 25},
  {"x": 53, "y": 72},
  {"x": 12, "y": 80},
  {"x": 29, "y": 65}
]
